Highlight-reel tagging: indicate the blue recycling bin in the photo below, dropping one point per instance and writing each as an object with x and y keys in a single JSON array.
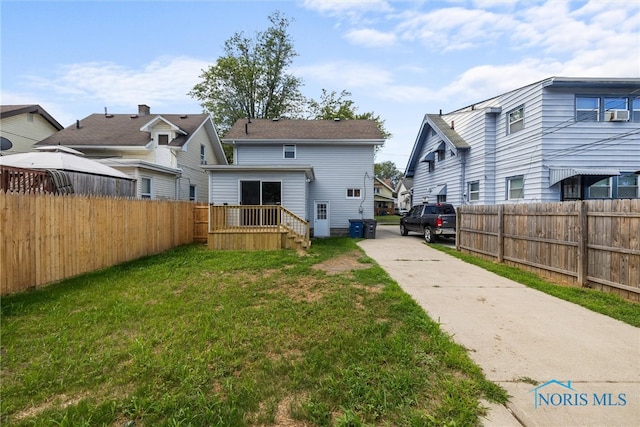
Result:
[{"x": 356, "y": 228}]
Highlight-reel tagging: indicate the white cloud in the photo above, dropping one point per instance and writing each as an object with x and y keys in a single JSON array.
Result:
[
  {"x": 351, "y": 9},
  {"x": 454, "y": 28},
  {"x": 371, "y": 38},
  {"x": 159, "y": 83}
]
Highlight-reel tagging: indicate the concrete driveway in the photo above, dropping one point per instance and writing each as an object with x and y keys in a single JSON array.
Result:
[{"x": 561, "y": 364}]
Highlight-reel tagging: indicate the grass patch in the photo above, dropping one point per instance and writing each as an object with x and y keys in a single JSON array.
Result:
[
  {"x": 601, "y": 302},
  {"x": 388, "y": 219},
  {"x": 225, "y": 338}
]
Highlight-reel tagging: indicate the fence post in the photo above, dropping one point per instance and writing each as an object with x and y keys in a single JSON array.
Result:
[
  {"x": 500, "y": 233},
  {"x": 458, "y": 225},
  {"x": 583, "y": 236}
]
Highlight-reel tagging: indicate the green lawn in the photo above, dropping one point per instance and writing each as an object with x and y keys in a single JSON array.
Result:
[
  {"x": 388, "y": 219},
  {"x": 197, "y": 337}
]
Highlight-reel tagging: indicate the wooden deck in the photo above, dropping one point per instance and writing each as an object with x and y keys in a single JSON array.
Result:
[{"x": 251, "y": 227}]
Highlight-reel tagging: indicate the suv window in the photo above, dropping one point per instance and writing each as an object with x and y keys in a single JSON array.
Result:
[{"x": 416, "y": 211}]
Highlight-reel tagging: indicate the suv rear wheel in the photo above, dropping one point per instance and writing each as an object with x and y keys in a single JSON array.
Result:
[{"x": 429, "y": 237}]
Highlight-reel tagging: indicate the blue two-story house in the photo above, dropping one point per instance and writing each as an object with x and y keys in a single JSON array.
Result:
[
  {"x": 318, "y": 171},
  {"x": 554, "y": 140}
]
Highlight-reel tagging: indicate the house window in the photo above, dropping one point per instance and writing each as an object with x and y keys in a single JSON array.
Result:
[
  {"x": 572, "y": 188},
  {"x": 516, "y": 120},
  {"x": 289, "y": 151},
  {"x": 474, "y": 191},
  {"x": 601, "y": 189},
  {"x": 628, "y": 186},
  {"x": 163, "y": 138},
  {"x": 587, "y": 109},
  {"x": 515, "y": 188},
  {"x": 203, "y": 155},
  {"x": 192, "y": 193},
  {"x": 441, "y": 198},
  {"x": 146, "y": 188},
  {"x": 353, "y": 193},
  {"x": 601, "y": 108}
]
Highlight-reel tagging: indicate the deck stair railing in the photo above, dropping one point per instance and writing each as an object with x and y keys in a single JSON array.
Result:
[{"x": 258, "y": 219}]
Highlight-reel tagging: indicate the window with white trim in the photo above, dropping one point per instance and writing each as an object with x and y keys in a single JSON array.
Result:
[
  {"x": 289, "y": 151},
  {"x": 474, "y": 191},
  {"x": 163, "y": 138},
  {"x": 192, "y": 193},
  {"x": 515, "y": 120},
  {"x": 628, "y": 186},
  {"x": 146, "y": 188},
  {"x": 515, "y": 188},
  {"x": 601, "y": 189},
  {"x": 353, "y": 193},
  {"x": 603, "y": 108},
  {"x": 203, "y": 154}
]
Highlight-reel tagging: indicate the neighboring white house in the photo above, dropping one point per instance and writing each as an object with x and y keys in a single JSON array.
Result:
[
  {"x": 554, "y": 140},
  {"x": 321, "y": 170},
  {"x": 403, "y": 195},
  {"x": 21, "y": 126},
  {"x": 384, "y": 197},
  {"x": 163, "y": 152}
]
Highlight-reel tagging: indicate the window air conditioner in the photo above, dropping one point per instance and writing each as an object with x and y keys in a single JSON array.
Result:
[{"x": 617, "y": 116}]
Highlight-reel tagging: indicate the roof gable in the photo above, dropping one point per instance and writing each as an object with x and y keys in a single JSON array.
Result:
[
  {"x": 14, "y": 110},
  {"x": 304, "y": 130},
  {"x": 444, "y": 131}
]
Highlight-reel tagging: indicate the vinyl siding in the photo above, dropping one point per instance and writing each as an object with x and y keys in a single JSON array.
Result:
[
  {"x": 336, "y": 168},
  {"x": 24, "y": 134},
  {"x": 225, "y": 188},
  {"x": 550, "y": 138},
  {"x": 189, "y": 162}
]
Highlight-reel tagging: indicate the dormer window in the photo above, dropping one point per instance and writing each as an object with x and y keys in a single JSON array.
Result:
[{"x": 163, "y": 138}]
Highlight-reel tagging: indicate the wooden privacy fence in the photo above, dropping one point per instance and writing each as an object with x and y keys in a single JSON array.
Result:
[
  {"x": 45, "y": 238},
  {"x": 592, "y": 243}
]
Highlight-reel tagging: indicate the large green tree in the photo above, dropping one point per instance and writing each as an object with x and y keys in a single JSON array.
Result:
[
  {"x": 387, "y": 170},
  {"x": 251, "y": 79},
  {"x": 332, "y": 105}
]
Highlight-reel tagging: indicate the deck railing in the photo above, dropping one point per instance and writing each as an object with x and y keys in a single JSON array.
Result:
[{"x": 257, "y": 219}]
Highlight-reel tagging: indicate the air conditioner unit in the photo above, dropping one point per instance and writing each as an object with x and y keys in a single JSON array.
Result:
[{"x": 617, "y": 116}]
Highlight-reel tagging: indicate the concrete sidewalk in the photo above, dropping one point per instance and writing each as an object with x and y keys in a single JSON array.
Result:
[{"x": 517, "y": 335}]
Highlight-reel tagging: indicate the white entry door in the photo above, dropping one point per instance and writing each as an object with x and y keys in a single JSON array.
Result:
[{"x": 321, "y": 219}]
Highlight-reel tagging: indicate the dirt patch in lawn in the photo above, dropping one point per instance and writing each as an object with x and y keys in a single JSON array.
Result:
[{"x": 347, "y": 262}]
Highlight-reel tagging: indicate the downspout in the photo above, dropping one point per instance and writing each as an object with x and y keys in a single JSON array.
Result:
[{"x": 463, "y": 164}]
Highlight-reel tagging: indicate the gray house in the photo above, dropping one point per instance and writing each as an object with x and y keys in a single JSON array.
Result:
[
  {"x": 319, "y": 170},
  {"x": 553, "y": 140}
]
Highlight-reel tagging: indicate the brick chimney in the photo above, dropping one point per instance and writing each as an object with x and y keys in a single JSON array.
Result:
[{"x": 144, "y": 110}]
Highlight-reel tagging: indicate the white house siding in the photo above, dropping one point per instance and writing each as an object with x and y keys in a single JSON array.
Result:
[
  {"x": 355, "y": 163},
  {"x": 192, "y": 173},
  {"x": 163, "y": 185},
  {"x": 24, "y": 130},
  {"x": 225, "y": 187}
]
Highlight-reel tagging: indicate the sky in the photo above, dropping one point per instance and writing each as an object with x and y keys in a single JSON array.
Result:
[{"x": 398, "y": 59}]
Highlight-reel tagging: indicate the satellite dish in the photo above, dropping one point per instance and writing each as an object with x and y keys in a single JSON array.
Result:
[{"x": 5, "y": 144}]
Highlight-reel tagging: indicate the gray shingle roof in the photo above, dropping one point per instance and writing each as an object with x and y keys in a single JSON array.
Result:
[
  {"x": 294, "y": 129},
  {"x": 449, "y": 133},
  {"x": 121, "y": 130}
]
